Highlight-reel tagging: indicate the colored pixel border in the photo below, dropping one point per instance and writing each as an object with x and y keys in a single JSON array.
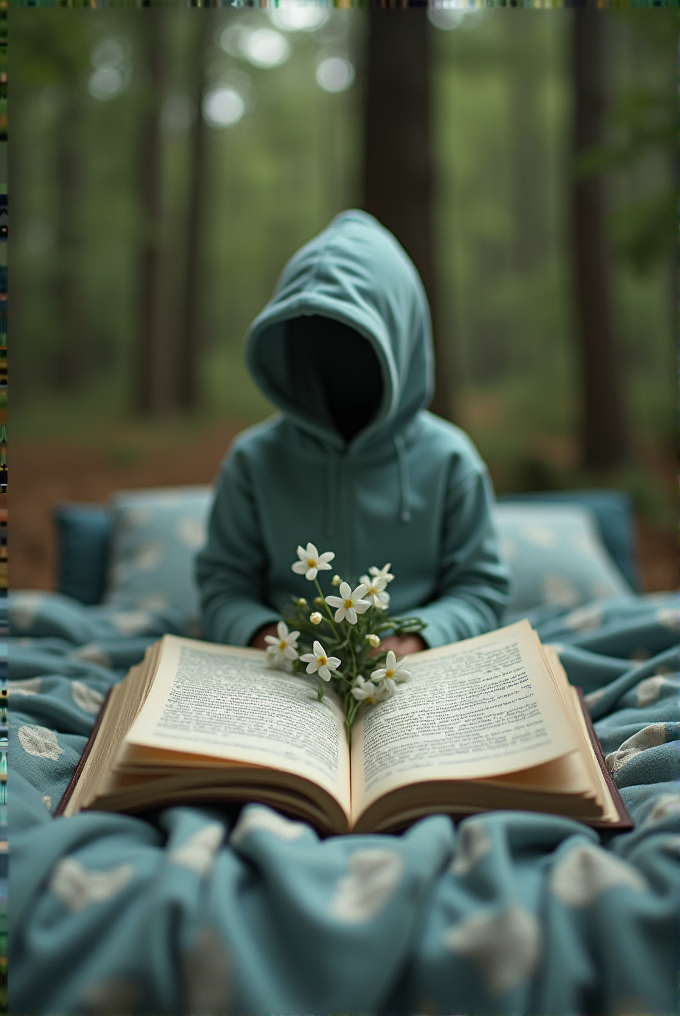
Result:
[{"x": 352, "y": 4}]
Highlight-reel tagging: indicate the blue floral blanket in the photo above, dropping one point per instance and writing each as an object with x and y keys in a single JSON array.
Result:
[{"x": 211, "y": 911}]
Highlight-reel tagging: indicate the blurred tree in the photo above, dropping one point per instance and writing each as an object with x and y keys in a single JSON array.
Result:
[
  {"x": 49, "y": 55},
  {"x": 155, "y": 376},
  {"x": 190, "y": 326},
  {"x": 643, "y": 122},
  {"x": 528, "y": 168},
  {"x": 398, "y": 167},
  {"x": 603, "y": 424},
  {"x": 73, "y": 360}
]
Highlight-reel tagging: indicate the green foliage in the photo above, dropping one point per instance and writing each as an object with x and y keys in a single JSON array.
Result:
[{"x": 501, "y": 120}]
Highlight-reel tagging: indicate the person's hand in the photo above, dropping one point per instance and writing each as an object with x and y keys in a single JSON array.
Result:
[
  {"x": 401, "y": 645},
  {"x": 257, "y": 641}
]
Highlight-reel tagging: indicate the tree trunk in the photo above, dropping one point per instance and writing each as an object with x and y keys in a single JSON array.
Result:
[
  {"x": 604, "y": 431},
  {"x": 398, "y": 171},
  {"x": 528, "y": 172},
  {"x": 154, "y": 381},
  {"x": 190, "y": 334},
  {"x": 72, "y": 360}
]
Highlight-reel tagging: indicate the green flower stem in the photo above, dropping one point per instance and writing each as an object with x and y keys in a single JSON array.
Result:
[{"x": 328, "y": 609}]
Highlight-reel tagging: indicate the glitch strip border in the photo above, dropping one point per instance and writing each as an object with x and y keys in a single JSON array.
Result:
[{"x": 4, "y": 626}]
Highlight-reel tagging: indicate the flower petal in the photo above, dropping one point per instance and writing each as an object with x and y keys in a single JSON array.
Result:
[
  {"x": 300, "y": 567},
  {"x": 324, "y": 673},
  {"x": 311, "y": 574},
  {"x": 318, "y": 649},
  {"x": 308, "y": 658},
  {"x": 301, "y": 553},
  {"x": 282, "y": 629},
  {"x": 340, "y": 614},
  {"x": 333, "y": 662},
  {"x": 361, "y": 605},
  {"x": 402, "y": 675},
  {"x": 345, "y": 591},
  {"x": 312, "y": 551},
  {"x": 327, "y": 556},
  {"x": 272, "y": 640},
  {"x": 359, "y": 591},
  {"x": 377, "y": 675},
  {"x": 291, "y": 653},
  {"x": 351, "y": 615},
  {"x": 334, "y": 601},
  {"x": 391, "y": 660},
  {"x": 312, "y": 667}
]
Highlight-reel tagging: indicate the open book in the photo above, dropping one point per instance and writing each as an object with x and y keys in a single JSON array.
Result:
[{"x": 487, "y": 723}]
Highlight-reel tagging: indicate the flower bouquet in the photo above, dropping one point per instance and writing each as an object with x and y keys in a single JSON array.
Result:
[{"x": 350, "y": 625}]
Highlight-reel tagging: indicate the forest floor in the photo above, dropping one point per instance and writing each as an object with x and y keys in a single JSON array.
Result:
[{"x": 47, "y": 472}]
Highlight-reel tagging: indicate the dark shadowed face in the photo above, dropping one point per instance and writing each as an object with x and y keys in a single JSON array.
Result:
[{"x": 339, "y": 369}]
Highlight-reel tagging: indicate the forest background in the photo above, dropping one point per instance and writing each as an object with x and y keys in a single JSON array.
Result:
[{"x": 165, "y": 163}]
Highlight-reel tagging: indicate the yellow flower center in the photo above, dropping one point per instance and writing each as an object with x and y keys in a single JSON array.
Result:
[
  {"x": 282, "y": 644},
  {"x": 311, "y": 562},
  {"x": 322, "y": 661},
  {"x": 389, "y": 673},
  {"x": 348, "y": 604}
]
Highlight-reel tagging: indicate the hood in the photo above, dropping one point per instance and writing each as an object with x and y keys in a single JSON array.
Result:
[{"x": 355, "y": 273}]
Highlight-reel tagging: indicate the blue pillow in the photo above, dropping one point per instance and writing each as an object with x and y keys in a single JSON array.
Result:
[
  {"x": 83, "y": 542},
  {"x": 156, "y": 534},
  {"x": 613, "y": 515},
  {"x": 555, "y": 556}
]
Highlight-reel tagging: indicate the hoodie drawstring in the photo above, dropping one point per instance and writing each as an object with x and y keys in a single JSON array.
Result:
[{"x": 404, "y": 486}]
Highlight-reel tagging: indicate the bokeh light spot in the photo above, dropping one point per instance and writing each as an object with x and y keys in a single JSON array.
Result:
[
  {"x": 264, "y": 47},
  {"x": 223, "y": 107},
  {"x": 109, "y": 53},
  {"x": 334, "y": 74},
  {"x": 291, "y": 16},
  {"x": 106, "y": 83}
]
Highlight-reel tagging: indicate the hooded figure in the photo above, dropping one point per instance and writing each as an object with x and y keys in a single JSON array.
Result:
[{"x": 352, "y": 462}]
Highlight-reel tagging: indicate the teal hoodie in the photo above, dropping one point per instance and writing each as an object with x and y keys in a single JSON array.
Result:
[{"x": 409, "y": 488}]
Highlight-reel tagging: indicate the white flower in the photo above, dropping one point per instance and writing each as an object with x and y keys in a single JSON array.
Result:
[
  {"x": 316, "y": 617},
  {"x": 383, "y": 572},
  {"x": 364, "y": 691},
  {"x": 317, "y": 661},
  {"x": 374, "y": 591},
  {"x": 281, "y": 650},
  {"x": 386, "y": 677},
  {"x": 349, "y": 603},
  {"x": 312, "y": 562}
]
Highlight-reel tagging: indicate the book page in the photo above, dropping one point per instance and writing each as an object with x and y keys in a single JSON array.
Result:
[
  {"x": 474, "y": 709},
  {"x": 225, "y": 702}
]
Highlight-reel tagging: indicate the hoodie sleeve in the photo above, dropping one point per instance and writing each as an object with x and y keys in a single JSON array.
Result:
[
  {"x": 231, "y": 568},
  {"x": 474, "y": 582}
]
